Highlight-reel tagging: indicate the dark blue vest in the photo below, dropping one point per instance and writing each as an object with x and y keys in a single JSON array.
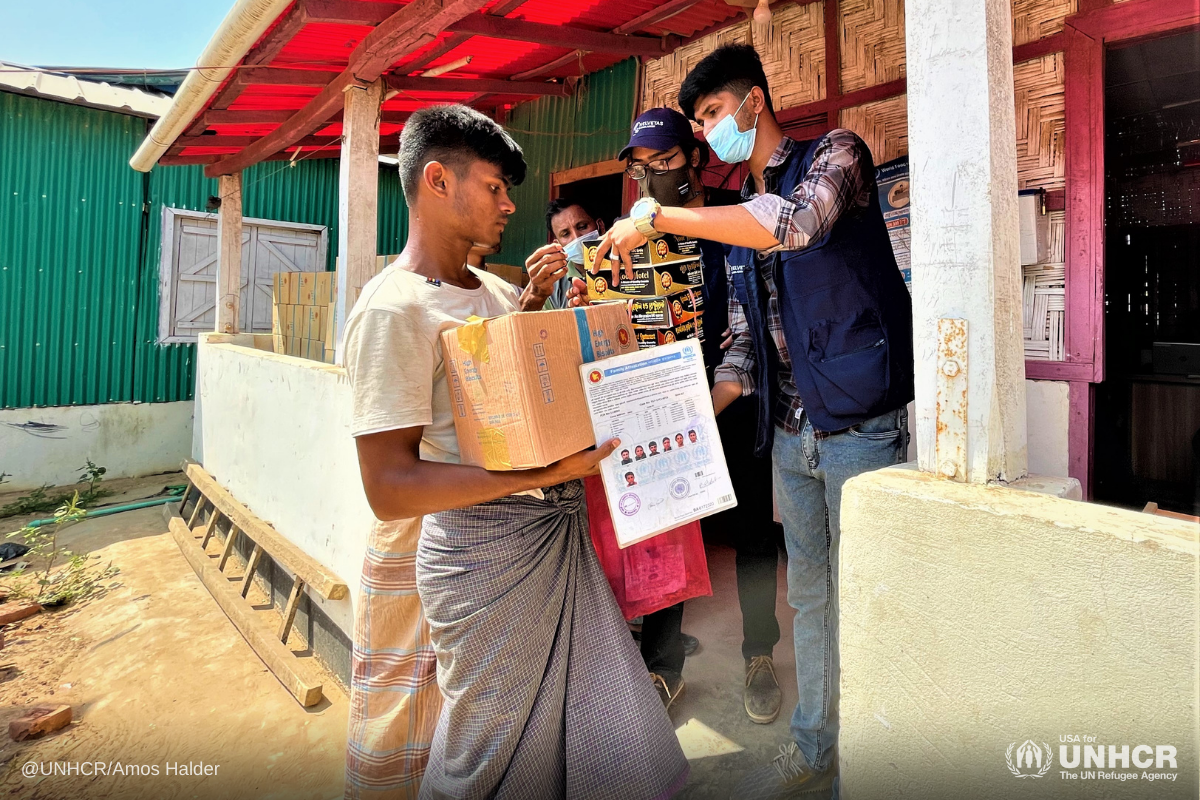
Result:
[
  {"x": 846, "y": 314},
  {"x": 715, "y": 292}
]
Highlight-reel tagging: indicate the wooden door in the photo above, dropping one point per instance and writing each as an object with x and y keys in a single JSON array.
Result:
[
  {"x": 194, "y": 254},
  {"x": 276, "y": 249}
]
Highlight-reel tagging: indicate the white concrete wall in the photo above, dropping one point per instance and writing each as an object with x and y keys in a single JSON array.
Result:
[
  {"x": 275, "y": 431},
  {"x": 49, "y": 445},
  {"x": 1047, "y": 413},
  {"x": 978, "y": 617}
]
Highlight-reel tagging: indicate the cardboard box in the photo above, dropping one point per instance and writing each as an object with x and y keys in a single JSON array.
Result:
[
  {"x": 664, "y": 312},
  {"x": 314, "y": 327},
  {"x": 514, "y": 275},
  {"x": 308, "y": 286},
  {"x": 660, "y": 267},
  {"x": 324, "y": 290},
  {"x": 514, "y": 382}
]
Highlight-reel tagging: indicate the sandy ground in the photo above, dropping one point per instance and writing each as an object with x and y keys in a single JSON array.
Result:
[{"x": 158, "y": 676}]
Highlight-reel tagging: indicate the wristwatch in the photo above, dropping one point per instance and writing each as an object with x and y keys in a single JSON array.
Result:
[{"x": 643, "y": 214}]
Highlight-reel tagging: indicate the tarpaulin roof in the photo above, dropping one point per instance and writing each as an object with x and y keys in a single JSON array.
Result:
[{"x": 517, "y": 50}]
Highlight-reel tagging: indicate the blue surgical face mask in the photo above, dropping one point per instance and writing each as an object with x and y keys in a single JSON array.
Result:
[
  {"x": 574, "y": 248},
  {"x": 730, "y": 144}
]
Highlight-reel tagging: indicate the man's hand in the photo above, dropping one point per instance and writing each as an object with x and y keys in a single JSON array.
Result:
[
  {"x": 580, "y": 465},
  {"x": 727, "y": 339},
  {"x": 577, "y": 295},
  {"x": 724, "y": 393},
  {"x": 620, "y": 239},
  {"x": 545, "y": 267}
]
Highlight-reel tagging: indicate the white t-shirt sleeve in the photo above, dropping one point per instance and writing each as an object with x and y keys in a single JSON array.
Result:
[{"x": 390, "y": 362}]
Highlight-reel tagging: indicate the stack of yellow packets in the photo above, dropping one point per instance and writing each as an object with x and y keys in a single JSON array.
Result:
[{"x": 664, "y": 297}]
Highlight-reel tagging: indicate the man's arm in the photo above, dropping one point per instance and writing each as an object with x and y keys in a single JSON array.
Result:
[
  {"x": 399, "y": 485},
  {"x": 833, "y": 184}
]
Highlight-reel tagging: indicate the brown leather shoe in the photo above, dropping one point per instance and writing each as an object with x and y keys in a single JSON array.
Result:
[
  {"x": 669, "y": 688},
  {"x": 762, "y": 697}
]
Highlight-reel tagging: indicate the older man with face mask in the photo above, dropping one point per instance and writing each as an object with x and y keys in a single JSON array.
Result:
[{"x": 568, "y": 222}]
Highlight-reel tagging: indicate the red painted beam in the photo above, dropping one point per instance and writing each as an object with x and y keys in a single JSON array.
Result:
[
  {"x": 402, "y": 83},
  {"x": 561, "y": 36},
  {"x": 655, "y": 15},
  {"x": 405, "y": 31},
  {"x": 1039, "y": 48},
  {"x": 569, "y": 58},
  {"x": 282, "y": 76},
  {"x": 1130, "y": 20}
]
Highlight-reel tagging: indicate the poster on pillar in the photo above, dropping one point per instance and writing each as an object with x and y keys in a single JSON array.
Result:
[{"x": 894, "y": 198}]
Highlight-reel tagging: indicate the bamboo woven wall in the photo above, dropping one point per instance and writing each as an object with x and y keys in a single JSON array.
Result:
[
  {"x": 1045, "y": 296},
  {"x": 793, "y": 58},
  {"x": 1040, "y": 123},
  {"x": 872, "y": 42},
  {"x": 1037, "y": 19},
  {"x": 882, "y": 125}
]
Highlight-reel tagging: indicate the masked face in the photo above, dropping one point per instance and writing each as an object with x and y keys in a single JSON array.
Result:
[
  {"x": 731, "y": 144},
  {"x": 574, "y": 248},
  {"x": 675, "y": 187}
]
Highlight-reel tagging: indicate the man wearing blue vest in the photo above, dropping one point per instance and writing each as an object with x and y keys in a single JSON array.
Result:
[{"x": 821, "y": 328}]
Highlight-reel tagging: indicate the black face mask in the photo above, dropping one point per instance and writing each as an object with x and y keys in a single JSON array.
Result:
[{"x": 674, "y": 187}]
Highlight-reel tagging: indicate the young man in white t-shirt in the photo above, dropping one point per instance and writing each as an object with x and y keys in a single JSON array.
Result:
[{"x": 518, "y": 609}]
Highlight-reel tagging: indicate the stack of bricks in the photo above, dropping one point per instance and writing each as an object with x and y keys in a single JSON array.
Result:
[{"x": 302, "y": 321}]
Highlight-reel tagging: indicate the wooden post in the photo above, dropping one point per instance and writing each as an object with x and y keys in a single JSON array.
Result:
[
  {"x": 229, "y": 253},
  {"x": 965, "y": 235},
  {"x": 358, "y": 198}
]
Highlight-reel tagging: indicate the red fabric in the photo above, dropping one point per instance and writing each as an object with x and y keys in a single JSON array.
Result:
[{"x": 654, "y": 573}]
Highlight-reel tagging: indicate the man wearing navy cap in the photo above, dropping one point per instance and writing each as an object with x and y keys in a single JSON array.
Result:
[{"x": 666, "y": 159}]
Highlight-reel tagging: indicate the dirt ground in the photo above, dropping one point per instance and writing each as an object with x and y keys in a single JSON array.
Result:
[{"x": 157, "y": 677}]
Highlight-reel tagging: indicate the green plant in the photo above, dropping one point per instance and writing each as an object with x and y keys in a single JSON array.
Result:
[
  {"x": 41, "y": 499},
  {"x": 75, "y": 580}
]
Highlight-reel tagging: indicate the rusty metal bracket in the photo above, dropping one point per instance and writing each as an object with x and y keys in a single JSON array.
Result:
[{"x": 950, "y": 446}]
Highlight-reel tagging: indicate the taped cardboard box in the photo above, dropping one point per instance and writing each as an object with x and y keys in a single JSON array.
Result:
[
  {"x": 514, "y": 382},
  {"x": 660, "y": 267}
]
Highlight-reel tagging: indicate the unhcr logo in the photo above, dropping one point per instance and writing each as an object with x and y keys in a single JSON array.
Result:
[{"x": 1031, "y": 760}]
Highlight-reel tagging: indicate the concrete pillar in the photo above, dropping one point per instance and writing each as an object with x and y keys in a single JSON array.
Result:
[
  {"x": 229, "y": 253},
  {"x": 358, "y": 198},
  {"x": 965, "y": 239}
]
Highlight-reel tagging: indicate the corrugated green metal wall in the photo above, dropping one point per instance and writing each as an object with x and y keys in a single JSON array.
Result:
[
  {"x": 560, "y": 133},
  {"x": 80, "y": 233},
  {"x": 79, "y": 251},
  {"x": 70, "y": 226}
]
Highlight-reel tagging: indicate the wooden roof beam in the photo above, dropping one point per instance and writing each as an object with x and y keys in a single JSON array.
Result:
[
  {"x": 282, "y": 76},
  {"x": 455, "y": 39},
  {"x": 402, "y": 83},
  {"x": 655, "y": 15},
  {"x": 405, "y": 31},
  {"x": 250, "y": 116},
  {"x": 563, "y": 36}
]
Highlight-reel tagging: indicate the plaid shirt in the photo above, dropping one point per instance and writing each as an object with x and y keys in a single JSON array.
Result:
[{"x": 834, "y": 185}]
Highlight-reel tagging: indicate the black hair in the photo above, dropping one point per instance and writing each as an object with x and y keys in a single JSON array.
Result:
[
  {"x": 734, "y": 67},
  {"x": 693, "y": 145},
  {"x": 455, "y": 135},
  {"x": 561, "y": 204}
]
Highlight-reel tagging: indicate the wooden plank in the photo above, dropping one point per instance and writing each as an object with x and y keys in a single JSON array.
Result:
[
  {"x": 1039, "y": 48},
  {"x": 833, "y": 53},
  {"x": 656, "y": 15},
  {"x": 409, "y": 29},
  {"x": 283, "y": 76},
  {"x": 289, "y": 611},
  {"x": 610, "y": 167},
  {"x": 251, "y": 568},
  {"x": 296, "y": 676},
  {"x": 563, "y": 36},
  {"x": 551, "y": 66},
  {"x": 358, "y": 199},
  {"x": 229, "y": 253},
  {"x": 401, "y": 83},
  {"x": 210, "y": 528},
  {"x": 227, "y": 549},
  {"x": 200, "y": 501},
  {"x": 1119, "y": 21},
  {"x": 321, "y": 579}
]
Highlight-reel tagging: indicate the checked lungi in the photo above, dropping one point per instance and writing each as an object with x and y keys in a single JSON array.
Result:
[
  {"x": 546, "y": 695},
  {"x": 394, "y": 698}
]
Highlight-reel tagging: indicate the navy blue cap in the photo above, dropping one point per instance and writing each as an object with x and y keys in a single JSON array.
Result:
[{"x": 659, "y": 129}]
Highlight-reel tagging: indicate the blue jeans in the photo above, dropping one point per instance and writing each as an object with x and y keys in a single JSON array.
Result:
[{"x": 810, "y": 470}]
